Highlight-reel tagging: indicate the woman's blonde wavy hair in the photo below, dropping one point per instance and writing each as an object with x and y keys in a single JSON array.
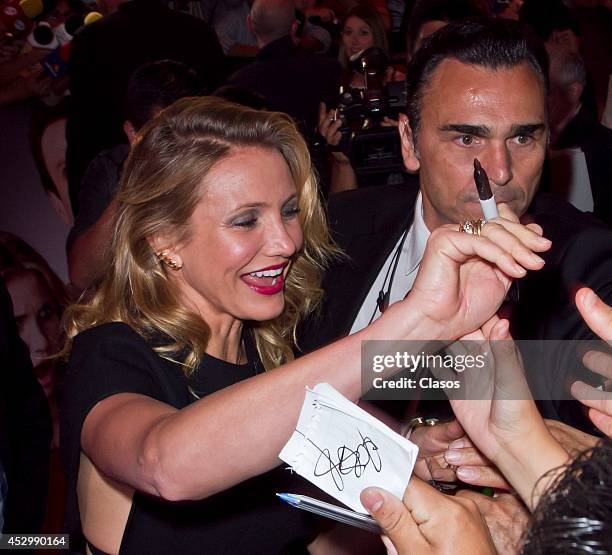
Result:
[{"x": 159, "y": 190}]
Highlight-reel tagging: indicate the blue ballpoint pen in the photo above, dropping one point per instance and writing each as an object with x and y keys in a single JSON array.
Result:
[{"x": 346, "y": 516}]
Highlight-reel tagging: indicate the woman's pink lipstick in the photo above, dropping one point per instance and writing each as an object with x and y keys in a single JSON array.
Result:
[{"x": 266, "y": 285}]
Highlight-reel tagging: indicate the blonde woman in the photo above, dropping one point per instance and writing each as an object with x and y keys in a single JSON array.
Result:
[{"x": 182, "y": 388}]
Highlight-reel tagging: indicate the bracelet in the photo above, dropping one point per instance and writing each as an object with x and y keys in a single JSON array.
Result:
[{"x": 418, "y": 422}]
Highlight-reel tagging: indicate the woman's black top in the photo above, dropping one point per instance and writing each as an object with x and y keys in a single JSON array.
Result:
[{"x": 248, "y": 518}]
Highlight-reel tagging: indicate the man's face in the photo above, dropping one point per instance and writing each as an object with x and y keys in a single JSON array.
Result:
[{"x": 472, "y": 112}]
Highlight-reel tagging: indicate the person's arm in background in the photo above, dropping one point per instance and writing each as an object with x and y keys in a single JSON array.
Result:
[
  {"x": 508, "y": 428},
  {"x": 343, "y": 177},
  {"x": 512, "y": 435},
  {"x": 86, "y": 254},
  {"x": 91, "y": 235}
]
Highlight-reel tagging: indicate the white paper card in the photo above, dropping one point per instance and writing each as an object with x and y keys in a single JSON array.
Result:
[{"x": 342, "y": 449}]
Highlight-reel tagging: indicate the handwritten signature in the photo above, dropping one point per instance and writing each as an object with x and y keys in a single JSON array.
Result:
[{"x": 349, "y": 461}]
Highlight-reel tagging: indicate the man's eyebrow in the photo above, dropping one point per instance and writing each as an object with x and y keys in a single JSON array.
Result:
[
  {"x": 468, "y": 129},
  {"x": 526, "y": 129}
]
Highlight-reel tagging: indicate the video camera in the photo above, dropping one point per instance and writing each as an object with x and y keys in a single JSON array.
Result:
[{"x": 371, "y": 146}]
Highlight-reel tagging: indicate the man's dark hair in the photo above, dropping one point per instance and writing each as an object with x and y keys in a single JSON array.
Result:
[
  {"x": 493, "y": 43},
  {"x": 575, "y": 514},
  {"x": 155, "y": 86}
]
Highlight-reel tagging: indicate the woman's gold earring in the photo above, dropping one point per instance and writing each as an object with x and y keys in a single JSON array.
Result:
[{"x": 164, "y": 258}]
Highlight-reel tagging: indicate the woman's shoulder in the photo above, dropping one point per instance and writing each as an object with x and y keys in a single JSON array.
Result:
[
  {"x": 112, "y": 341},
  {"x": 114, "y": 358},
  {"x": 114, "y": 332},
  {"x": 108, "y": 329}
]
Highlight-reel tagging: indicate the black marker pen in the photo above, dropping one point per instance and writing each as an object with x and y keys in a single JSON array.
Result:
[{"x": 485, "y": 195}]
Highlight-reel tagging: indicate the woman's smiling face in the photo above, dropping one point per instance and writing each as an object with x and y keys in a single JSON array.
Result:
[
  {"x": 243, "y": 234},
  {"x": 356, "y": 36}
]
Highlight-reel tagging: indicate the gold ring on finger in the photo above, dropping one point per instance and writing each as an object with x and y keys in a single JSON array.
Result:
[{"x": 473, "y": 227}]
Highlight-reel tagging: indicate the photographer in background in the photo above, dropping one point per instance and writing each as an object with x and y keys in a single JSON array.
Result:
[{"x": 363, "y": 150}]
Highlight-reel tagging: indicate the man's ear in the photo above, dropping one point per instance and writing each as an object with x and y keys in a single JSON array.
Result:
[{"x": 409, "y": 153}]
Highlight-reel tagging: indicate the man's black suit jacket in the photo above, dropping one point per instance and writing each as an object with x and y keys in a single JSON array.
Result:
[{"x": 367, "y": 223}]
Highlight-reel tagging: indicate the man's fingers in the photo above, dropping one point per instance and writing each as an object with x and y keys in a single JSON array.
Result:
[
  {"x": 591, "y": 397},
  {"x": 484, "y": 476},
  {"x": 602, "y": 421},
  {"x": 596, "y": 313},
  {"x": 600, "y": 403},
  {"x": 599, "y": 362}
]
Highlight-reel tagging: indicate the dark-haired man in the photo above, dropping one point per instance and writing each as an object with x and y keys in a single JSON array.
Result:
[{"x": 476, "y": 89}]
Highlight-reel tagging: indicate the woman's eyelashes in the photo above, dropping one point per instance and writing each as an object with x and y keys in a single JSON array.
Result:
[
  {"x": 250, "y": 219},
  {"x": 291, "y": 211},
  {"x": 245, "y": 220}
]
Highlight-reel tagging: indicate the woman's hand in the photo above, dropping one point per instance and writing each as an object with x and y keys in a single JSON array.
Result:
[
  {"x": 463, "y": 278},
  {"x": 598, "y": 317},
  {"x": 428, "y": 522},
  {"x": 472, "y": 467}
]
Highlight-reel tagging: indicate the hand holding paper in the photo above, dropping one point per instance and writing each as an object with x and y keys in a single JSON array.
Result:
[{"x": 342, "y": 449}]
